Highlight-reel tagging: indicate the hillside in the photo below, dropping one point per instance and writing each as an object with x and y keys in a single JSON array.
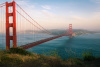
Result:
[
  {"x": 76, "y": 31},
  {"x": 58, "y": 32},
  {"x": 21, "y": 58}
]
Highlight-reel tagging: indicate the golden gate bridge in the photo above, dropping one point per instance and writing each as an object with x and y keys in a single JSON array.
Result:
[{"x": 14, "y": 21}]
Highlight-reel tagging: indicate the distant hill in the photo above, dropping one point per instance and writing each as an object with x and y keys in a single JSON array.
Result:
[
  {"x": 77, "y": 31},
  {"x": 82, "y": 32},
  {"x": 58, "y": 32}
]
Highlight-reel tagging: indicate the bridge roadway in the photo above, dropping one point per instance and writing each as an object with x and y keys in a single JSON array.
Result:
[{"x": 30, "y": 45}]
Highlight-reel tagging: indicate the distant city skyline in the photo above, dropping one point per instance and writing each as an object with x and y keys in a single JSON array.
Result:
[{"x": 58, "y": 14}]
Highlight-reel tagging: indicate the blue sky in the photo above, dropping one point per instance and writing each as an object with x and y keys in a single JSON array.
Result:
[{"x": 58, "y": 14}]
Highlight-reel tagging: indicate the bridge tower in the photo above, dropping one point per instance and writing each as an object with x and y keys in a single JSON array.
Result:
[
  {"x": 70, "y": 30},
  {"x": 13, "y": 25}
]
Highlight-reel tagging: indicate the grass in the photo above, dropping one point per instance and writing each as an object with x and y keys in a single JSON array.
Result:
[{"x": 17, "y": 57}]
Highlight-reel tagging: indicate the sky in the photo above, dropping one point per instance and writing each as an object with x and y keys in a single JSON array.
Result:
[{"x": 58, "y": 14}]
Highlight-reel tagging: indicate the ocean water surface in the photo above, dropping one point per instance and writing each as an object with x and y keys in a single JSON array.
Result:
[
  {"x": 63, "y": 46},
  {"x": 73, "y": 47}
]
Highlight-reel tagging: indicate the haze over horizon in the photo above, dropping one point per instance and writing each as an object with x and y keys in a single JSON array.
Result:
[{"x": 58, "y": 14}]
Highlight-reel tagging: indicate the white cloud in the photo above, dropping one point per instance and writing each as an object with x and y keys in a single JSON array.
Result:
[
  {"x": 77, "y": 18},
  {"x": 47, "y": 13},
  {"x": 90, "y": 23},
  {"x": 96, "y": 15},
  {"x": 25, "y": 4},
  {"x": 96, "y": 1},
  {"x": 48, "y": 19},
  {"x": 46, "y": 7}
]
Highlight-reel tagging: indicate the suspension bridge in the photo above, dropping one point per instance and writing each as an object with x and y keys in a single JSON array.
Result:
[{"x": 16, "y": 25}]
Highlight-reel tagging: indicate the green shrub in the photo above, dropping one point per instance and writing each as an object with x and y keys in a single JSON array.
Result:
[
  {"x": 19, "y": 51},
  {"x": 71, "y": 53},
  {"x": 53, "y": 53},
  {"x": 6, "y": 59},
  {"x": 87, "y": 56},
  {"x": 75, "y": 61}
]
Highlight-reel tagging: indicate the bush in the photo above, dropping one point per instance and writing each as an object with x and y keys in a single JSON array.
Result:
[
  {"x": 75, "y": 61},
  {"x": 87, "y": 56},
  {"x": 19, "y": 51},
  {"x": 6, "y": 59},
  {"x": 53, "y": 53}
]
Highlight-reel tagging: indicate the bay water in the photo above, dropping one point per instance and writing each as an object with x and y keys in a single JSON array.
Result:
[{"x": 63, "y": 47}]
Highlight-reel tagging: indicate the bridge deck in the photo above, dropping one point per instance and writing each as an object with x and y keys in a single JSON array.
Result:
[{"x": 40, "y": 42}]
